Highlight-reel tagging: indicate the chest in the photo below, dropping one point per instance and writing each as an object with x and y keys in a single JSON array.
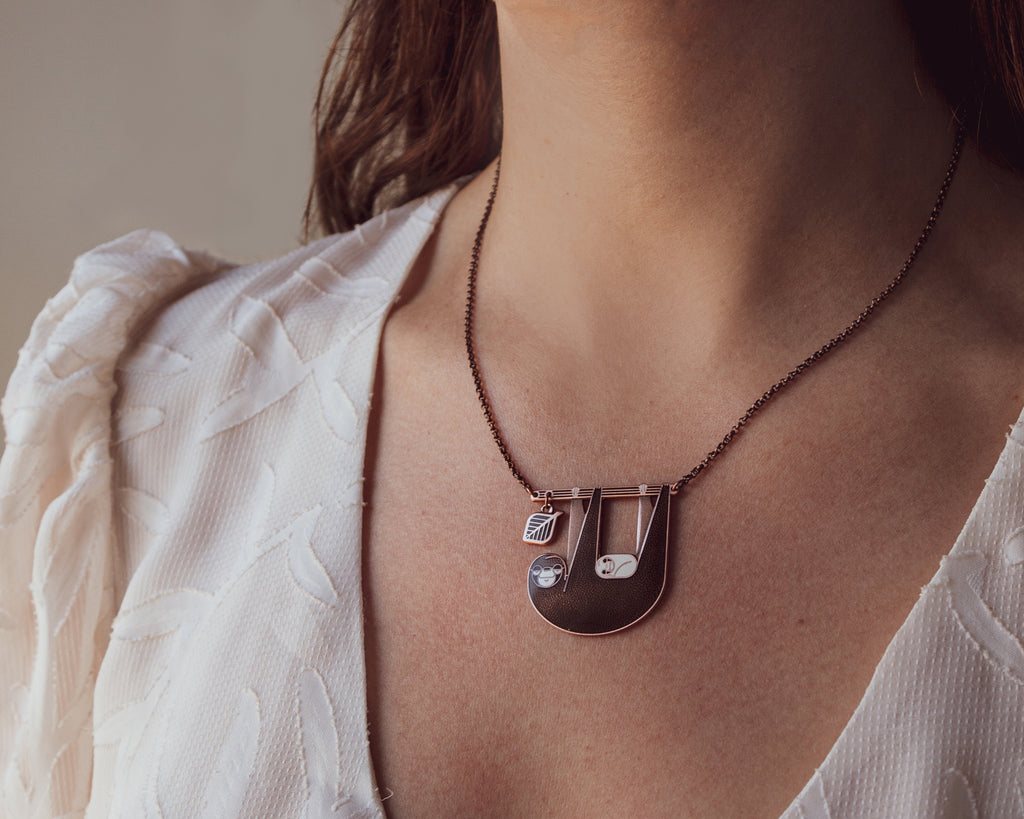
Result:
[{"x": 787, "y": 577}]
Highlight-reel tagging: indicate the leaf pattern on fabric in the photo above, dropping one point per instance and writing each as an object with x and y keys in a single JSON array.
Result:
[
  {"x": 57, "y": 551},
  {"x": 351, "y": 495},
  {"x": 303, "y": 564},
  {"x": 262, "y": 499},
  {"x": 957, "y": 799},
  {"x": 140, "y": 730},
  {"x": 339, "y": 411},
  {"x": 1013, "y": 547},
  {"x": 26, "y": 426},
  {"x": 128, "y": 719},
  {"x": 73, "y": 535},
  {"x": 318, "y": 273},
  {"x": 131, "y": 422},
  {"x": 19, "y": 496},
  {"x": 165, "y": 613},
  {"x": 129, "y": 728},
  {"x": 321, "y": 753},
  {"x": 180, "y": 613},
  {"x": 276, "y": 369},
  {"x": 155, "y": 753},
  {"x": 813, "y": 804},
  {"x": 64, "y": 361},
  {"x": 74, "y": 721},
  {"x": 154, "y": 810},
  {"x": 144, "y": 508},
  {"x": 995, "y": 642},
  {"x": 233, "y": 770},
  {"x": 154, "y": 359}
]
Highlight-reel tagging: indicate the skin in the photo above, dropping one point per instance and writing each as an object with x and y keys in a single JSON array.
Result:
[{"x": 694, "y": 196}]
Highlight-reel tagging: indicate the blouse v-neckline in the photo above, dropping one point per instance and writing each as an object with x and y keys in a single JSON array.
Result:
[{"x": 813, "y": 800}]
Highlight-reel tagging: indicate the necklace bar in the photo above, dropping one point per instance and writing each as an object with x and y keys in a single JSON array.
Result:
[{"x": 643, "y": 490}]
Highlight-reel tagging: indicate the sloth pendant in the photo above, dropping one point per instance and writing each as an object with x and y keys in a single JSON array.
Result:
[{"x": 595, "y": 593}]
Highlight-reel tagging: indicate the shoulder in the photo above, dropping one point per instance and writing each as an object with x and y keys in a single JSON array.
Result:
[
  {"x": 142, "y": 310},
  {"x": 311, "y": 294},
  {"x": 316, "y": 289},
  {"x": 251, "y": 367},
  {"x": 246, "y": 331},
  {"x": 82, "y": 329},
  {"x": 119, "y": 291},
  {"x": 55, "y": 545},
  {"x": 168, "y": 411}
]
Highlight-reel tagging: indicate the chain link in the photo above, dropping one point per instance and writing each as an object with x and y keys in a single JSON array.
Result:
[{"x": 766, "y": 396}]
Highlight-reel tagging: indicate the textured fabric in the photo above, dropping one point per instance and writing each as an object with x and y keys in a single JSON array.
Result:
[{"x": 180, "y": 537}]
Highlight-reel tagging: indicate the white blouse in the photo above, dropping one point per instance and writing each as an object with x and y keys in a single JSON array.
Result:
[{"x": 180, "y": 603}]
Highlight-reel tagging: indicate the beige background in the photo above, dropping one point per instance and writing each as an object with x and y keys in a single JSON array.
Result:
[{"x": 192, "y": 116}]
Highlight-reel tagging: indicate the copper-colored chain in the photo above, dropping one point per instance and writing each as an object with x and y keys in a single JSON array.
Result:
[{"x": 766, "y": 396}]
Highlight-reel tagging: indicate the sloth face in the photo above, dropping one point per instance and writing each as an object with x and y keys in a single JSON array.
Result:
[{"x": 546, "y": 571}]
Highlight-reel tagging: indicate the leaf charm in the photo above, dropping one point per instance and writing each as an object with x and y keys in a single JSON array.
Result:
[{"x": 540, "y": 527}]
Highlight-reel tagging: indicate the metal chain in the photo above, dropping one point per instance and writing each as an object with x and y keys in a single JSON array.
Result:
[{"x": 766, "y": 396}]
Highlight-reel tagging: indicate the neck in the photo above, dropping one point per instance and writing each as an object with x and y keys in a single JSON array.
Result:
[{"x": 686, "y": 165}]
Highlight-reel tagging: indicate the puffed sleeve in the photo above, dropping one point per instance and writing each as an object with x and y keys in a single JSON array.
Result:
[{"x": 57, "y": 549}]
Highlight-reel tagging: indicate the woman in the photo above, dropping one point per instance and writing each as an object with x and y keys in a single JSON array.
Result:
[{"x": 208, "y": 610}]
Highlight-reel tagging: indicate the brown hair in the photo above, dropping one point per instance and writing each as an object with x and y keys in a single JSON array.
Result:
[
  {"x": 409, "y": 100},
  {"x": 974, "y": 50},
  {"x": 410, "y": 95}
]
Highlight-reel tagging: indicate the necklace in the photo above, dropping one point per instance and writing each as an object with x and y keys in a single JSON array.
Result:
[{"x": 591, "y": 591}]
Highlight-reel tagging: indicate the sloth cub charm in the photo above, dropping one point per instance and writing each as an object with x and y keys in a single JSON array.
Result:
[{"x": 593, "y": 593}]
